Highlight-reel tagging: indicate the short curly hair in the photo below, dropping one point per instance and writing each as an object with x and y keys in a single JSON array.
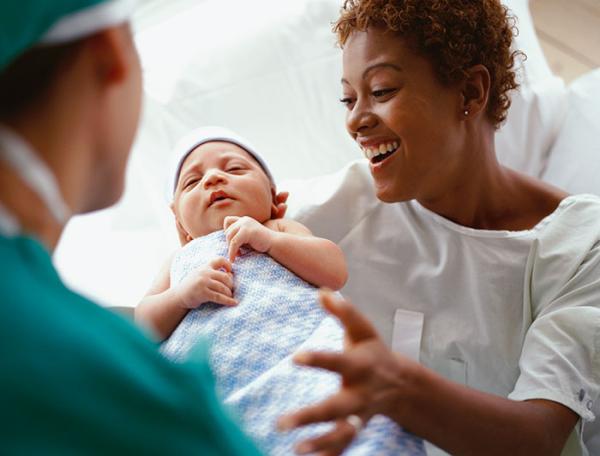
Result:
[{"x": 453, "y": 35}]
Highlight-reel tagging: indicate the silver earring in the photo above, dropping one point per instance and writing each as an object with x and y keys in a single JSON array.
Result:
[{"x": 466, "y": 112}]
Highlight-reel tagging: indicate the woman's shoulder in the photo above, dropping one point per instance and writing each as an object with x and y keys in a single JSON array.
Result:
[
  {"x": 576, "y": 220},
  {"x": 566, "y": 252}
]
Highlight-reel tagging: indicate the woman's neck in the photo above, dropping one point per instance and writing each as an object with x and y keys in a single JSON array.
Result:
[{"x": 481, "y": 193}]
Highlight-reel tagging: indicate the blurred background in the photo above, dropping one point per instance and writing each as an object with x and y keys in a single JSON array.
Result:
[{"x": 569, "y": 32}]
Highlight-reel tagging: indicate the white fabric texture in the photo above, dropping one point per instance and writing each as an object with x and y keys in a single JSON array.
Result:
[{"x": 511, "y": 313}]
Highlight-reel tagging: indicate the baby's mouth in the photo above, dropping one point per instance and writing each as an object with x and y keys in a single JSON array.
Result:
[
  {"x": 215, "y": 197},
  {"x": 380, "y": 153}
]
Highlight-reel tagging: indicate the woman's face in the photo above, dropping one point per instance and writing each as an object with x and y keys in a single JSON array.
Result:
[{"x": 405, "y": 121}]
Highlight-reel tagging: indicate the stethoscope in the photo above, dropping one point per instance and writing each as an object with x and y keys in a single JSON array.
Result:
[{"x": 16, "y": 152}]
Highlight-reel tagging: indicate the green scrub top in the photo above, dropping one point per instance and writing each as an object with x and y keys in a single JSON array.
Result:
[{"x": 76, "y": 378}]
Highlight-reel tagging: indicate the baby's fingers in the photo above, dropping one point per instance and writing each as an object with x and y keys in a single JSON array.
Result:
[
  {"x": 235, "y": 244},
  {"x": 225, "y": 278},
  {"x": 229, "y": 220},
  {"x": 219, "y": 287},
  {"x": 222, "y": 298},
  {"x": 221, "y": 263}
]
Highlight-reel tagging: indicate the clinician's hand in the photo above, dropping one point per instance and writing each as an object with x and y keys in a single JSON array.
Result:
[
  {"x": 372, "y": 382},
  {"x": 241, "y": 231},
  {"x": 212, "y": 283}
]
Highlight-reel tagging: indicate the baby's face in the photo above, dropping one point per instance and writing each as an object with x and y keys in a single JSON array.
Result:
[{"x": 219, "y": 179}]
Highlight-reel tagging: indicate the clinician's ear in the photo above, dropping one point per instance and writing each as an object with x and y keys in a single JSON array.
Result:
[
  {"x": 183, "y": 235},
  {"x": 110, "y": 49},
  {"x": 475, "y": 91}
]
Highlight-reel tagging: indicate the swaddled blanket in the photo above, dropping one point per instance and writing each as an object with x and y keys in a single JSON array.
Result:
[{"x": 252, "y": 345}]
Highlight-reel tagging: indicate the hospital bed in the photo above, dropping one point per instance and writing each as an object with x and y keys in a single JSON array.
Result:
[{"x": 275, "y": 80}]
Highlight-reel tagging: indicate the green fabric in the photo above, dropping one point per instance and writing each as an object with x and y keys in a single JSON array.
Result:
[
  {"x": 76, "y": 378},
  {"x": 24, "y": 22}
]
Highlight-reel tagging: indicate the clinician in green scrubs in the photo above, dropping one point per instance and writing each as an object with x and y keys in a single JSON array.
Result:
[{"x": 74, "y": 378}]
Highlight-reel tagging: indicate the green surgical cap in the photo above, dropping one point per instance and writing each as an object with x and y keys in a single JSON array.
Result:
[{"x": 24, "y": 23}]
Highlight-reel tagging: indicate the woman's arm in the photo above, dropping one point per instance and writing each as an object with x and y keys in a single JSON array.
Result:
[{"x": 456, "y": 418}]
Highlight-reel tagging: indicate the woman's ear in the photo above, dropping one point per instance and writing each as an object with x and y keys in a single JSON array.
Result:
[
  {"x": 183, "y": 235},
  {"x": 475, "y": 91}
]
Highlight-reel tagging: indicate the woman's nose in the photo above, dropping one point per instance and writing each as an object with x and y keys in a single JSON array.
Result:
[
  {"x": 360, "y": 118},
  {"x": 213, "y": 177}
]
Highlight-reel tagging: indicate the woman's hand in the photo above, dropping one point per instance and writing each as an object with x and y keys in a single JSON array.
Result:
[
  {"x": 212, "y": 283},
  {"x": 241, "y": 231},
  {"x": 373, "y": 381}
]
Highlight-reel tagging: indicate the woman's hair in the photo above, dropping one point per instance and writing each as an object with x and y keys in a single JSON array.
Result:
[
  {"x": 453, "y": 35},
  {"x": 27, "y": 80}
]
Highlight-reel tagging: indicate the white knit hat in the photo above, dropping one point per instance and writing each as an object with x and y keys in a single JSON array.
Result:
[{"x": 201, "y": 136}]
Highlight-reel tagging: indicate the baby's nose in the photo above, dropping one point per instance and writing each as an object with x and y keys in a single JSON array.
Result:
[{"x": 213, "y": 177}]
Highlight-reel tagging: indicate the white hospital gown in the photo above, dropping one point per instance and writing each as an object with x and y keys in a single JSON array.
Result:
[{"x": 515, "y": 314}]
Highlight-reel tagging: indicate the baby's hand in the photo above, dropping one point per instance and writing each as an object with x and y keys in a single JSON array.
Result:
[
  {"x": 212, "y": 283},
  {"x": 241, "y": 231}
]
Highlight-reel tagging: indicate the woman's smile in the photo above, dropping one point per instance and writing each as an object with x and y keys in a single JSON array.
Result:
[{"x": 378, "y": 153}]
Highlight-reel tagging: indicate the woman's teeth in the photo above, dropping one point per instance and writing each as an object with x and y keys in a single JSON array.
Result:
[{"x": 381, "y": 152}]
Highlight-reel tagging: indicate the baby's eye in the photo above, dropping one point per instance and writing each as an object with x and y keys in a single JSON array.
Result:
[
  {"x": 347, "y": 101},
  {"x": 190, "y": 182},
  {"x": 233, "y": 169}
]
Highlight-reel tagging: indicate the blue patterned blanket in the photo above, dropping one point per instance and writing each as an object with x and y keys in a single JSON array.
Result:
[{"x": 252, "y": 345}]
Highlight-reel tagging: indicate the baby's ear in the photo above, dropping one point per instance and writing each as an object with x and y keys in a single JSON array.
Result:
[
  {"x": 279, "y": 206},
  {"x": 184, "y": 237}
]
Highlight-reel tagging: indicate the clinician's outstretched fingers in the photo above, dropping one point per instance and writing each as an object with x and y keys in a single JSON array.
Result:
[
  {"x": 358, "y": 327},
  {"x": 336, "y": 407},
  {"x": 332, "y": 443},
  {"x": 345, "y": 364}
]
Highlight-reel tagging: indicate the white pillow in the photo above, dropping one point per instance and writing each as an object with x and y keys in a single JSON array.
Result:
[
  {"x": 538, "y": 107},
  {"x": 574, "y": 163}
]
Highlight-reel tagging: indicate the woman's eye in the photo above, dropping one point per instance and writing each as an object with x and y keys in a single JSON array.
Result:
[{"x": 382, "y": 92}]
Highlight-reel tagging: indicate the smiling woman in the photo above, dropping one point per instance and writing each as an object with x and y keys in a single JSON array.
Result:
[{"x": 499, "y": 273}]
